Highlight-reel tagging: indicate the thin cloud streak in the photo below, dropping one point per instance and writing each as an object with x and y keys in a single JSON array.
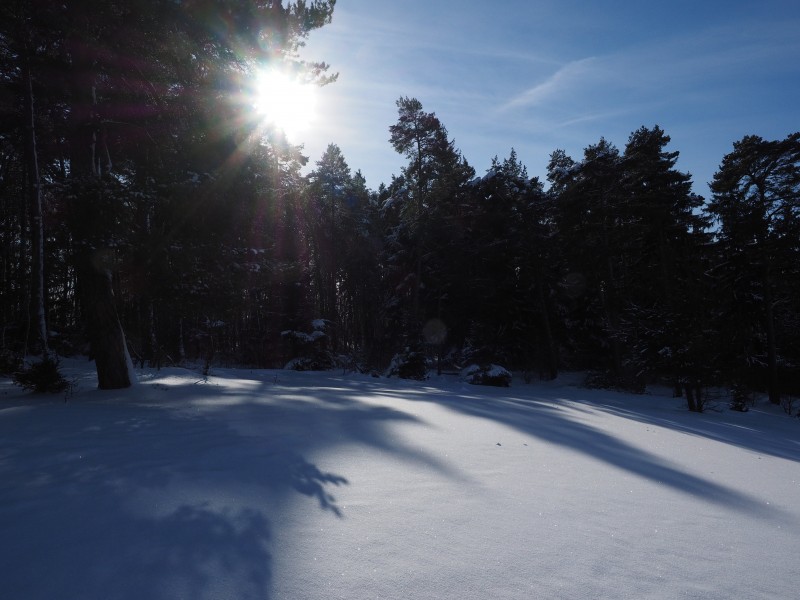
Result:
[
  {"x": 558, "y": 83},
  {"x": 540, "y": 81},
  {"x": 692, "y": 71}
]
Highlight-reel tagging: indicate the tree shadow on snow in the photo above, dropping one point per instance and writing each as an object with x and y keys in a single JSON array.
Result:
[
  {"x": 558, "y": 420},
  {"x": 777, "y": 435},
  {"x": 163, "y": 491}
]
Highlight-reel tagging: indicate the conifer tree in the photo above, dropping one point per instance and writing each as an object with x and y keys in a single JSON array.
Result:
[
  {"x": 589, "y": 220},
  {"x": 756, "y": 195},
  {"x": 337, "y": 224},
  {"x": 422, "y": 198},
  {"x": 145, "y": 94},
  {"x": 664, "y": 234},
  {"x": 509, "y": 249}
]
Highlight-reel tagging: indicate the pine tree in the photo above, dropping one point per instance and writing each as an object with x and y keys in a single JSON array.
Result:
[
  {"x": 422, "y": 201},
  {"x": 590, "y": 222},
  {"x": 663, "y": 244},
  {"x": 145, "y": 93},
  {"x": 509, "y": 249},
  {"x": 340, "y": 239},
  {"x": 756, "y": 194}
]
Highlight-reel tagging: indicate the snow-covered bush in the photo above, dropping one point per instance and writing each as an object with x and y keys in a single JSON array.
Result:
[
  {"x": 739, "y": 398},
  {"x": 606, "y": 380},
  {"x": 408, "y": 364},
  {"x": 321, "y": 362},
  {"x": 42, "y": 377},
  {"x": 788, "y": 403},
  {"x": 487, "y": 375},
  {"x": 349, "y": 363},
  {"x": 10, "y": 362},
  {"x": 303, "y": 338},
  {"x": 309, "y": 350}
]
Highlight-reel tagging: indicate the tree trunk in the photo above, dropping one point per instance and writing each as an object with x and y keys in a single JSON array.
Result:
[
  {"x": 107, "y": 339},
  {"x": 690, "y": 400},
  {"x": 108, "y": 346},
  {"x": 34, "y": 192},
  {"x": 155, "y": 346},
  {"x": 552, "y": 350},
  {"x": 773, "y": 386}
]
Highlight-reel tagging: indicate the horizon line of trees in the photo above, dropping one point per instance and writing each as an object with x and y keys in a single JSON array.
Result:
[{"x": 137, "y": 196}]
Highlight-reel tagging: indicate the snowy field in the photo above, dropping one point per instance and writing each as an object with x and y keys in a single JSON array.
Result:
[{"x": 299, "y": 486}]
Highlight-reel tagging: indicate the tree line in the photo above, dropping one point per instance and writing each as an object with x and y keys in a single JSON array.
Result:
[{"x": 147, "y": 218}]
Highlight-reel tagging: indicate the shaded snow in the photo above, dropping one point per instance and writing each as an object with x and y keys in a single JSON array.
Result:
[
  {"x": 301, "y": 336},
  {"x": 285, "y": 485}
]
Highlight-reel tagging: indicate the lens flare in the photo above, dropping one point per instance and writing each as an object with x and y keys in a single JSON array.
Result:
[{"x": 284, "y": 102}]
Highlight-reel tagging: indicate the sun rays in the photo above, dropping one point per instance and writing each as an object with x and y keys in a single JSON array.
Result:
[{"x": 283, "y": 101}]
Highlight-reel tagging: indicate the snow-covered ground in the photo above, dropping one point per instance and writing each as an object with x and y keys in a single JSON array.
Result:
[{"x": 283, "y": 485}]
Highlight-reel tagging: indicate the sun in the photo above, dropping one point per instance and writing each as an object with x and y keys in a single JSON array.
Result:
[{"x": 284, "y": 101}]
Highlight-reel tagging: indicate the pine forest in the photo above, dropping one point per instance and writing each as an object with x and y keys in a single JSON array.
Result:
[{"x": 146, "y": 219}]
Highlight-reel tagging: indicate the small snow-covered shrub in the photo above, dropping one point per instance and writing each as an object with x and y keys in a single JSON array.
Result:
[
  {"x": 320, "y": 362},
  {"x": 42, "y": 377},
  {"x": 599, "y": 380},
  {"x": 408, "y": 364},
  {"x": 787, "y": 403},
  {"x": 349, "y": 363},
  {"x": 487, "y": 375},
  {"x": 309, "y": 350},
  {"x": 10, "y": 362},
  {"x": 606, "y": 380},
  {"x": 739, "y": 398}
]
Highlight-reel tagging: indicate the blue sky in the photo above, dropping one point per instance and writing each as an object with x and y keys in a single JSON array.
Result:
[{"x": 538, "y": 75}]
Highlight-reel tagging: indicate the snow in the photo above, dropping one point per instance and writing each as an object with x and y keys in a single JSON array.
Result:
[
  {"x": 398, "y": 198},
  {"x": 475, "y": 373},
  {"x": 497, "y": 371},
  {"x": 287, "y": 485},
  {"x": 301, "y": 336}
]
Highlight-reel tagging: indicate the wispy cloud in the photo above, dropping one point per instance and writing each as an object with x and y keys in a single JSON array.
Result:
[
  {"x": 678, "y": 68},
  {"x": 563, "y": 79},
  {"x": 594, "y": 116},
  {"x": 495, "y": 86}
]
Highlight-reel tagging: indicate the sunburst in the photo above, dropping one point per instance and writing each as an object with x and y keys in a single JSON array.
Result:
[{"x": 284, "y": 102}]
